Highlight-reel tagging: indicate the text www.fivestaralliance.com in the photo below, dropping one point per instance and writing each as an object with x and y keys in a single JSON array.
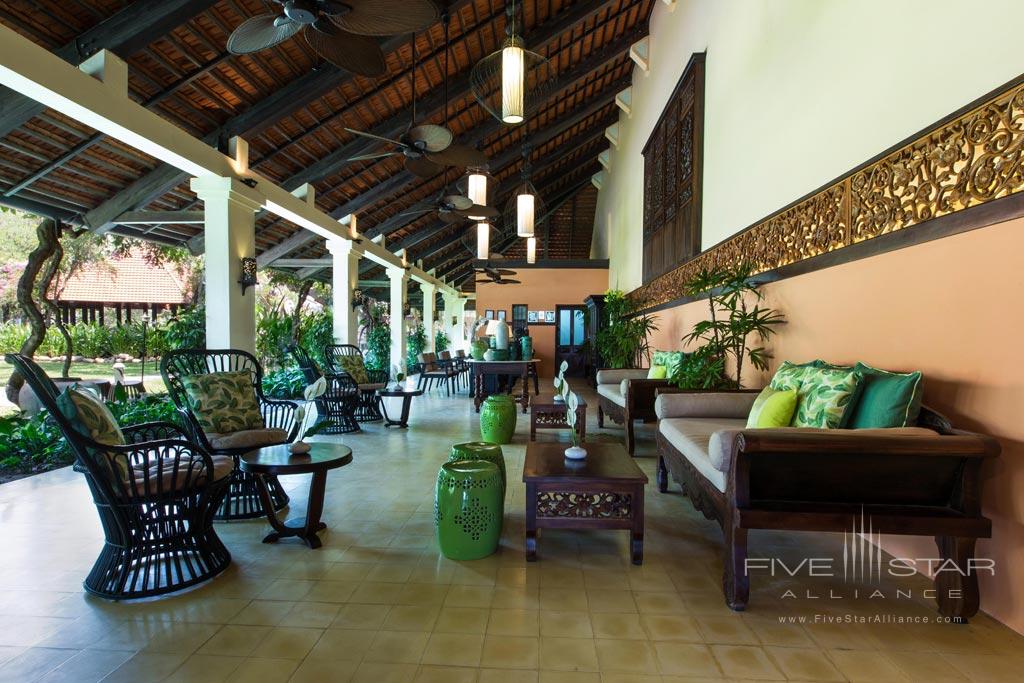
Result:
[{"x": 864, "y": 619}]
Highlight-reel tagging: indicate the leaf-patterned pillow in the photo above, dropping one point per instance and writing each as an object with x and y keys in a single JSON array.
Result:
[
  {"x": 223, "y": 402},
  {"x": 826, "y": 397},
  {"x": 355, "y": 367},
  {"x": 791, "y": 375},
  {"x": 91, "y": 417}
]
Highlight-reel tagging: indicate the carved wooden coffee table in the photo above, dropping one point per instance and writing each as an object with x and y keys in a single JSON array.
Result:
[
  {"x": 547, "y": 413},
  {"x": 604, "y": 491}
]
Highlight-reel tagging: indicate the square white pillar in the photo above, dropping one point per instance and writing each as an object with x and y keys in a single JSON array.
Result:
[
  {"x": 230, "y": 222},
  {"x": 399, "y": 291},
  {"x": 344, "y": 281},
  {"x": 454, "y": 308},
  {"x": 429, "y": 298}
]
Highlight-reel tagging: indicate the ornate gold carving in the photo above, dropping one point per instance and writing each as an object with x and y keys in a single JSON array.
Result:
[
  {"x": 968, "y": 161},
  {"x": 573, "y": 504}
]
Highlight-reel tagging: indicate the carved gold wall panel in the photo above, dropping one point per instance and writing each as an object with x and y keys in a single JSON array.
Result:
[{"x": 973, "y": 159}]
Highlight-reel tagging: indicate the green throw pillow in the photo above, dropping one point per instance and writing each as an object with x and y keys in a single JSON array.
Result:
[
  {"x": 224, "y": 402},
  {"x": 826, "y": 396},
  {"x": 354, "y": 366},
  {"x": 91, "y": 417},
  {"x": 887, "y": 399},
  {"x": 657, "y": 372},
  {"x": 772, "y": 408},
  {"x": 669, "y": 359}
]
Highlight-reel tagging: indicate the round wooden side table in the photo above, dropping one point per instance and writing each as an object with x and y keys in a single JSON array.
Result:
[{"x": 277, "y": 460}]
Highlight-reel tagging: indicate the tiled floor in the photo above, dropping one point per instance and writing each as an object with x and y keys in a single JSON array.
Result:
[{"x": 378, "y": 603}]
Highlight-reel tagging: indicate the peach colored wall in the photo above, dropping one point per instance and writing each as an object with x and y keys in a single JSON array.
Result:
[
  {"x": 950, "y": 308},
  {"x": 542, "y": 289}
]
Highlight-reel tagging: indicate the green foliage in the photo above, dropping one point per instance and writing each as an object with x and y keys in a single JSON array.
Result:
[
  {"x": 415, "y": 345},
  {"x": 376, "y": 325},
  {"x": 89, "y": 339},
  {"x": 736, "y": 318},
  {"x": 286, "y": 383},
  {"x": 441, "y": 341},
  {"x": 702, "y": 369},
  {"x": 187, "y": 329},
  {"x": 622, "y": 342},
  {"x": 273, "y": 335},
  {"x": 316, "y": 333}
]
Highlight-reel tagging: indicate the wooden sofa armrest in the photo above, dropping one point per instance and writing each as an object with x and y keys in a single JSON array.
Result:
[
  {"x": 640, "y": 395},
  {"x": 962, "y": 444}
]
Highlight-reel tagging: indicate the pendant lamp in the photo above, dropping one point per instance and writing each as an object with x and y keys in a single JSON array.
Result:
[
  {"x": 483, "y": 241},
  {"x": 512, "y": 82},
  {"x": 531, "y": 250},
  {"x": 476, "y": 190}
]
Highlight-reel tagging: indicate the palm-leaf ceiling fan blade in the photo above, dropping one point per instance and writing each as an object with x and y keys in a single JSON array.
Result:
[
  {"x": 364, "y": 134},
  {"x": 510, "y": 282},
  {"x": 416, "y": 212},
  {"x": 434, "y": 138},
  {"x": 450, "y": 216},
  {"x": 458, "y": 155},
  {"x": 475, "y": 210},
  {"x": 458, "y": 202},
  {"x": 378, "y": 155},
  {"x": 259, "y": 33},
  {"x": 386, "y": 17},
  {"x": 422, "y": 167},
  {"x": 348, "y": 51}
]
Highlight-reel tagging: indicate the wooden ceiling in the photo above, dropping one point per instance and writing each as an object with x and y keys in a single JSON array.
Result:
[{"x": 292, "y": 108}]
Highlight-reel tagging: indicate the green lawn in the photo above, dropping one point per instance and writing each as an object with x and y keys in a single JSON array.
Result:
[{"x": 96, "y": 371}]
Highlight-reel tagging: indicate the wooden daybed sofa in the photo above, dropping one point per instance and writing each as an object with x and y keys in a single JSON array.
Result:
[
  {"x": 626, "y": 396},
  {"x": 921, "y": 480}
]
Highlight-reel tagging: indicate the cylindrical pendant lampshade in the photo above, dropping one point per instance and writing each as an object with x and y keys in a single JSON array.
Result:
[
  {"x": 513, "y": 84},
  {"x": 524, "y": 215},
  {"x": 531, "y": 249},
  {"x": 476, "y": 189},
  {"x": 483, "y": 241}
]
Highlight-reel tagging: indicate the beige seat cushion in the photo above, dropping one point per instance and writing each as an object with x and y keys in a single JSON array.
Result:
[
  {"x": 616, "y": 376},
  {"x": 372, "y": 386},
  {"x": 157, "y": 481},
  {"x": 721, "y": 443},
  {"x": 691, "y": 437},
  {"x": 248, "y": 438},
  {"x": 612, "y": 392}
]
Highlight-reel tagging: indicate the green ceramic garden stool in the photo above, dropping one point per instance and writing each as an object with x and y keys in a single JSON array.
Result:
[
  {"x": 498, "y": 419},
  {"x": 481, "y": 450},
  {"x": 468, "y": 509}
]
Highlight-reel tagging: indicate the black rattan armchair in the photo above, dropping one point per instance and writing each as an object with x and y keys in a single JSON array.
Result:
[
  {"x": 158, "y": 517},
  {"x": 242, "y": 500},
  {"x": 368, "y": 409},
  {"x": 336, "y": 409}
]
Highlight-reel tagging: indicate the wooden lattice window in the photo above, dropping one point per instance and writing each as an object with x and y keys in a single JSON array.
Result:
[{"x": 673, "y": 164}]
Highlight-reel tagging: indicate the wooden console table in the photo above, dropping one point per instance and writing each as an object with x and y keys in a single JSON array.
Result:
[
  {"x": 547, "y": 413},
  {"x": 510, "y": 368}
]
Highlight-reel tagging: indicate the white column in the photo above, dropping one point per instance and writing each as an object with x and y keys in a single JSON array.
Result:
[
  {"x": 429, "y": 297},
  {"x": 455, "y": 307},
  {"x": 230, "y": 220},
  {"x": 399, "y": 283},
  {"x": 344, "y": 281}
]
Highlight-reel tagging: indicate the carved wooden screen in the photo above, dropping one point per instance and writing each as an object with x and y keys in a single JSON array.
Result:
[{"x": 672, "y": 176}]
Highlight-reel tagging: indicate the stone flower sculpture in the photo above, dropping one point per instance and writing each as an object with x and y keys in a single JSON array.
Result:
[
  {"x": 572, "y": 404},
  {"x": 310, "y": 395}
]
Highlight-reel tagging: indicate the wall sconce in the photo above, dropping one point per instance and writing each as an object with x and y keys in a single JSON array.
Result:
[
  {"x": 357, "y": 298},
  {"x": 248, "y": 277}
]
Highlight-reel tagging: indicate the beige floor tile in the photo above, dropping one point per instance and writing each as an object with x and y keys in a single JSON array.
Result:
[
  {"x": 263, "y": 613},
  {"x": 569, "y": 677},
  {"x": 445, "y": 674},
  {"x": 869, "y": 667},
  {"x": 745, "y": 662},
  {"x": 143, "y": 668},
  {"x": 982, "y": 667},
  {"x": 617, "y": 625},
  {"x": 516, "y": 597},
  {"x": 362, "y": 617},
  {"x": 174, "y": 636},
  {"x": 604, "y": 600},
  {"x": 511, "y": 652},
  {"x": 422, "y": 594},
  {"x": 401, "y": 647},
  {"x": 513, "y": 622},
  {"x": 615, "y": 677},
  {"x": 469, "y": 596},
  {"x": 341, "y": 644},
  {"x": 506, "y": 675},
  {"x": 287, "y": 589},
  {"x": 669, "y": 627},
  {"x": 563, "y": 599},
  {"x": 655, "y": 602},
  {"x": 411, "y": 618},
  {"x": 205, "y": 669},
  {"x": 568, "y": 654},
  {"x": 453, "y": 649},
  {"x": 925, "y": 666},
  {"x": 629, "y": 656},
  {"x": 462, "y": 620},
  {"x": 350, "y": 572},
  {"x": 771, "y": 632},
  {"x": 311, "y": 615},
  {"x": 565, "y": 625},
  {"x": 235, "y": 640},
  {"x": 326, "y": 671},
  {"x": 729, "y": 630},
  {"x": 85, "y": 666},
  {"x": 379, "y": 672},
  {"x": 331, "y": 591},
  {"x": 289, "y": 643},
  {"x": 804, "y": 664},
  {"x": 686, "y": 659},
  {"x": 374, "y": 593},
  {"x": 262, "y": 670}
]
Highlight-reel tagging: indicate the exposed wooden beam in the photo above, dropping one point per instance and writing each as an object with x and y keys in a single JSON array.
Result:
[
  {"x": 161, "y": 217},
  {"x": 124, "y": 33}
]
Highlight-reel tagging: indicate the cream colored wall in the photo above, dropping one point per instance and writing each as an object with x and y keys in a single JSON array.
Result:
[{"x": 798, "y": 92}]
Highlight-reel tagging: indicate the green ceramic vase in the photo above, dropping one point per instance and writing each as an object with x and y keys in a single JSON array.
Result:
[
  {"x": 481, "y": 450},
  {"x": 527, "y": 345},
  {"x": 468, "y": 509},
  {"x": 498, "y": 419},
  {"x": 478, "y": 349}
]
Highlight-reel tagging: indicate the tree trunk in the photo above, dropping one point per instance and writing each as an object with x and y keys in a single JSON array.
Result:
[
  {"x": 297, "y": 314},
  {"x": 50, "y": 271},
  {"x": 46, "y": 232}
]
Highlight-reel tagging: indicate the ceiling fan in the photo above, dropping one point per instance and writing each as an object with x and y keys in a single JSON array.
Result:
[
  {"x": 451, "y": 208},
  {"x": 336, "y": 30},
  {"x": 496, "y": 276},
  {"x": 427, "y": 148}
]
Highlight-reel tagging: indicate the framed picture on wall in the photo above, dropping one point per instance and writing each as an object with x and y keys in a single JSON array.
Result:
[
  {"x": 549, "y": 317},
  {"x": 488, "y": 314},
  {"x": 531, "y": 317},
  {"x": 502, "y": 315}
]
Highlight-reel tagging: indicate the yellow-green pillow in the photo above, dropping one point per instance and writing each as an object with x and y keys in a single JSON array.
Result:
[
  {"x": 223, "y": 402},
  {"x": 772, "y": 408},
  {"x": 355, "y": 367},
  {"x": 657, "y": 372}
]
